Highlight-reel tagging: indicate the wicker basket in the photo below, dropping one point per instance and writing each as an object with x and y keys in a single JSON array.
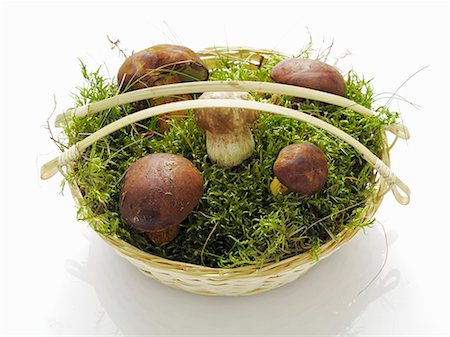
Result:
[{"x": 245, "y": 280}]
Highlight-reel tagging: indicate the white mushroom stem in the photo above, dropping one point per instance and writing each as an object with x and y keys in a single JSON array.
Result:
[
  {"x": 230, "y": 149},
  {"x": 229, "y": 140}
]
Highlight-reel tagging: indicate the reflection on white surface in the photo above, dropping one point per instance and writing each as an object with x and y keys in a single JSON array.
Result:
[{"x": 324, "y": 301}]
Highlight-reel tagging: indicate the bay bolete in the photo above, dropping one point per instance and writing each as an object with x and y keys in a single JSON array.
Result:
[
  {"x": 310, "y": 74},
  {"x": 164, "y": 122},
  {"x": 160, "y": 65},
  {"x": 301, "y": 168},
  {"x": 229, "y": 140},
  {"x": 159, "y": 192}
]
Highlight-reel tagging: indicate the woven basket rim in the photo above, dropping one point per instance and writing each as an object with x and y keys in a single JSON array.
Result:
[{"x": 132, "y": 252}]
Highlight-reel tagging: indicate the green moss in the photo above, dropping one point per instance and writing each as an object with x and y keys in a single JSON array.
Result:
[{"x": 238, "y": 222}]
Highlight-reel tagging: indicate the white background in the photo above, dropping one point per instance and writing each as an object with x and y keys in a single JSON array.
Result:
[{"x": 57, "y": 277}]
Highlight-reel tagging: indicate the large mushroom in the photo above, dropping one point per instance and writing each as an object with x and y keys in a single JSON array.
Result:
[
  {"x": 310, "y": 74},
  {"x": 301, "y": 168},
  {"x": 159, "y": 65},
  {"x": 159, "y": 192},
  {"x": 229, "y": 140}
]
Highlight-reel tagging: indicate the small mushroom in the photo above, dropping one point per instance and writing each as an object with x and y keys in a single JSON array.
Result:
[
  {"x": 310, "y": 74},
  {"x": 160, "y": 65},
  {"x": 159, "y": 192},
  {"x": 229, "y": 140},
  {"x": 301, "y": 168}
]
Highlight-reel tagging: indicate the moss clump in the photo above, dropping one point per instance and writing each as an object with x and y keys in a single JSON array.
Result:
[{"x": 238, "y": 222}]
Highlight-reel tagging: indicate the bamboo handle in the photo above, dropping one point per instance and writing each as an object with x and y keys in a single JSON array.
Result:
[
  {"x": 206, "y": 86},
  {"x": 398, "y": 129},
  {"x": 393, "y": 182},
  {"x": 50, "y": 168}
]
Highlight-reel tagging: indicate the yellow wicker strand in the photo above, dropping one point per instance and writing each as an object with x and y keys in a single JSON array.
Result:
[
  {"x": 51, "y": 168},
  {"x": 201, "y": 86}
]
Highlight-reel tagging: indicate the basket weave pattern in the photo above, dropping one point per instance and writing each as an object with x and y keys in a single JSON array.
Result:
[
  {"x": 244, "y": 280},
  {"x": 241, "y": 281},
  {"x": 220, "y": 282}
]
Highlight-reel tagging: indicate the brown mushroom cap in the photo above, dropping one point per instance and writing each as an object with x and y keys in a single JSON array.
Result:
[
  {"x": 302, "y": 168},
  {"x": 163, "y": 122},
  {"x": 161, "y": 64},
  {"x": 225, "y": 120},
  {"x": 311, "y": 74},
  {"x": 159, "y": 191}
]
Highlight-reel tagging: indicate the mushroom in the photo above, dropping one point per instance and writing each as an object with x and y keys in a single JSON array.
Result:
[
  {"x": 311, "y": 74},
  {"x": 163, "y": 122},
  {"x": 301, "y": 168},
  {"x": 159, "y": 192},
  {"x": 160, "y": 65},
  {"x": 229, "y": 140}
]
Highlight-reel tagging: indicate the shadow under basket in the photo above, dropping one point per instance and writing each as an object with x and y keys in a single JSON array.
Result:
[{"x": 243, "y": 280}]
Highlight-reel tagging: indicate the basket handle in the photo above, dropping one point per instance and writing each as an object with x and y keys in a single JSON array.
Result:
[
  {"x": 206, "y": 86},
  {"x": 51, "y": 168}
]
